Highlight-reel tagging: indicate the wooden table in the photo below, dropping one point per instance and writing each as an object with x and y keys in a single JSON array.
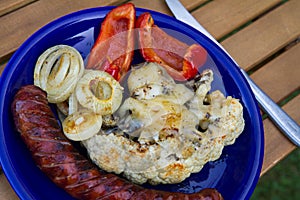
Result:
[{"x": 263, "y": 37}]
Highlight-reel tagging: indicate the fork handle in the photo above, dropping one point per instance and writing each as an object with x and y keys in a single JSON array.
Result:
[{"x": 282, "y": 120}]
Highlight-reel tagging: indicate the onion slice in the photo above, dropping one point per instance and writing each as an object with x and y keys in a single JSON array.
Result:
[
  {"x": 57, "y": 71},
  {"x": 82, "y": 125},
  {"x": 99, "y": 91}
]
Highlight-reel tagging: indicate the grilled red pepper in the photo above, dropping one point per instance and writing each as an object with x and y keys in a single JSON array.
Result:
[
  {"x": 113, "y": 49},
  {"x": 179, "y": 59}
]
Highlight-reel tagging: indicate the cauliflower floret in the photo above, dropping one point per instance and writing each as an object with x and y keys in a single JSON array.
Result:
[{"x": 164, "y": 135}]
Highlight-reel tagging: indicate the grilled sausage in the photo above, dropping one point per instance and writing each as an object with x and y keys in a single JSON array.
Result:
[{"x": 61, "y": 161}]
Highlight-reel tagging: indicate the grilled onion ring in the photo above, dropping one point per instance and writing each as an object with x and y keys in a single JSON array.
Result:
[
  {"x": 57, "y": 71},
  {"x": 99, "y": 91},
  {"x": 82, "y": 125}
]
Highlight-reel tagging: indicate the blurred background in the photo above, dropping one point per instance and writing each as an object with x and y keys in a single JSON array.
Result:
[{"x": 282, "y": 181}]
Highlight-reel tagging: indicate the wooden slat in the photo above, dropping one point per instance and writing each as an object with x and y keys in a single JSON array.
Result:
[
  {"x": 280, "y": 77},
  {"x": 7, "y": 6},
  {"x": 192, "y": 4},
  {"x": 276, "y": 144},
  {"x": 156, "y": 5},
  {"x": 265, "y": 36},
  {"x": 17, "y": 26},
  {"x": 160, "y": 5},
  {"x": 220, "y": 17}
]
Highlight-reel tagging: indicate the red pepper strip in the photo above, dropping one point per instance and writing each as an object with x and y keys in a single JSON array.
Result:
[
  {"x": 113, "y": 49},
  {"x": 179, "y": 59}
]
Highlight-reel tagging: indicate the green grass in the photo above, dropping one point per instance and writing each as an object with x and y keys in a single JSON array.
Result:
[{"x": 282, "y": 181}]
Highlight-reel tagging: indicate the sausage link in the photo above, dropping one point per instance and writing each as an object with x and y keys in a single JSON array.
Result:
[{"x": 55, "y": 155}]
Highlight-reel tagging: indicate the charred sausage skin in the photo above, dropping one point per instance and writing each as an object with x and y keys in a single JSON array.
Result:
[{"x": 65, "y": 166}]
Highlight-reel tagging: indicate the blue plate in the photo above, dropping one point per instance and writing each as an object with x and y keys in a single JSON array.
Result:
[{"x": 235, "y": 174}]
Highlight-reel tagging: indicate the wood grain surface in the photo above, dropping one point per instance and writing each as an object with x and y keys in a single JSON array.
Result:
[
  {"x": 265, "y": 36},
  {"x": 19, "y": 25},
  {"x": 223, "y": 16},
  {"x": 7, "y": 6}
]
